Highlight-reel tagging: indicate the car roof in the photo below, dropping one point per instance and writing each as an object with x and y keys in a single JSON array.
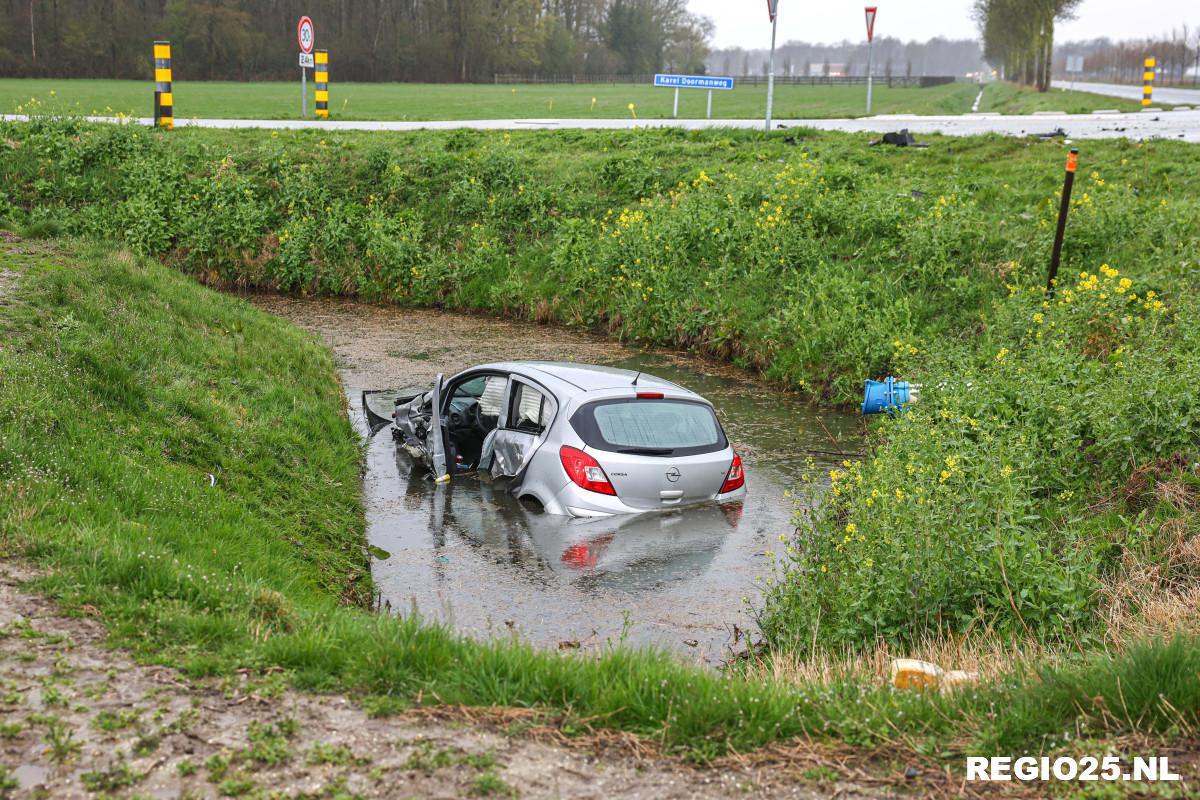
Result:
[{"x": 571, "y": 378}]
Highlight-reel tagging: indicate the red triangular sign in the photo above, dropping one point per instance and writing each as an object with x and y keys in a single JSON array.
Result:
[
  {"x": 871, "y": 22},
  {"x": 772, "y": 9}
]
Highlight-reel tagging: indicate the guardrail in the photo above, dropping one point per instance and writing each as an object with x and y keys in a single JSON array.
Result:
[{"x": 919, "y": 81}]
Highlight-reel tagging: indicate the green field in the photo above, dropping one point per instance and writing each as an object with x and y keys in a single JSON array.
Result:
[{"x": 398, "y": 101}]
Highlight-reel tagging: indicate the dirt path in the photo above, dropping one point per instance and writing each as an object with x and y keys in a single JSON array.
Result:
[{"x": 80, "y": 720}]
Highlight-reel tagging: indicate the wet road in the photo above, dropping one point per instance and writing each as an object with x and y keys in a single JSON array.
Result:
[
  {"x": 1162, "y": 94},
  {"x": 1183, "y": 125},
  {"x": 468, "y": 554}
]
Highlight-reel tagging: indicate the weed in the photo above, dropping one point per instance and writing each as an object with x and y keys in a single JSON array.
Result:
[
  {"x": 112, "y": 721},
  {"x": 490, "y": 784},
  {"x": 425, "y": 758},
  {"x": 53, "y": 696},
  {"x": 147, "y": 743},
  {"x": 269, "y": 742},
  {"x": 8, "y": 781},
  {"x": 61, "y": 739},
  {"x": 217, "y": 765},
  {"x": 118, "y": 776},
  {"x": 236, "y": 787},
  {"x": 10, "y": 730},
  {"x": 340, "y": 755},
  {"x": 185, "y": 767}
]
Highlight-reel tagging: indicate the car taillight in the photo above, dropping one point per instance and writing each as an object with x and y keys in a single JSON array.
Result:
[
  {"x": 735, "y": 478},
  {"x": 585, "y": 471}
]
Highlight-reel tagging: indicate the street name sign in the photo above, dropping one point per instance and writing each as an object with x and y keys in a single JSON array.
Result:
[{"x": 693, "y": 82}]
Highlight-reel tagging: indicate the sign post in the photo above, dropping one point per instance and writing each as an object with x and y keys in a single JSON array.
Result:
[
  {"x": 773, "y": 11},
  {"x": 1074, "y": 67},
  {"x": 305, "y": 37},
  {"x": 870, "y": 50},
  {"x": 709, "y": 82}
]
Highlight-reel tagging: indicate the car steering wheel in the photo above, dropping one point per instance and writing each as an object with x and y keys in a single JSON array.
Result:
[
  {"x": 470, "y": 417},
  {"x": 474, "y": 415}
]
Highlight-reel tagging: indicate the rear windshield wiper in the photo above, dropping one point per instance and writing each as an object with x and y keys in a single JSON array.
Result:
[{"x": 647, "y": 451}]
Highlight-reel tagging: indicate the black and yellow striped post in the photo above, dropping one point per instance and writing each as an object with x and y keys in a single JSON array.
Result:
[
  {"x": 321, "y": 63},
  {"x": 164, "y": 99},
  {"x": 1148, "y": 81}
]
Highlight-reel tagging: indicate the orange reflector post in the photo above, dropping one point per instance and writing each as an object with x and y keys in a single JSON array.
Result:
[{"x": 1063, "y": 209}]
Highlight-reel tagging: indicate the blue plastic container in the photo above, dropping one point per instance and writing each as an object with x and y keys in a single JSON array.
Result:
[{"x": 886, "y": 396}]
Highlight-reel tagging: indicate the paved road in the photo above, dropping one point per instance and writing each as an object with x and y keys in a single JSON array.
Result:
[
  {"x": 1162, "y": 94},
  {"x": 1183, "y": 125}
]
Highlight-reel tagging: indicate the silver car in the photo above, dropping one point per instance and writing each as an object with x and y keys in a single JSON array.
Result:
[{"x": 575, "y": 439}]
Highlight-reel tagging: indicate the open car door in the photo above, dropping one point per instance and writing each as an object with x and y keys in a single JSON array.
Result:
[
  {"x": 525, "y": 417},
  {"x": 437, "y": 436}
]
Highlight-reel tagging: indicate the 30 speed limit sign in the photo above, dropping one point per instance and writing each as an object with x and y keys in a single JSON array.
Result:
[{"x": 305, "y": 35}]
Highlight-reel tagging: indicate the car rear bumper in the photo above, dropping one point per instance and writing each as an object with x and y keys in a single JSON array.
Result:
[{"x": 576, "y": 501}]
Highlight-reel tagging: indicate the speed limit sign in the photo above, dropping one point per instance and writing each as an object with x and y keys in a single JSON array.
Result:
[{"x": 305, "y": 35}]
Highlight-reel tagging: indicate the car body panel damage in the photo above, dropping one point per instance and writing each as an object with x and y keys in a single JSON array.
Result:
[{"x": 581, "y": 440}]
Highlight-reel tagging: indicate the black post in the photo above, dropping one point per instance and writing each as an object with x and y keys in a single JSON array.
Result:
[
  {"x": 157, "y": 107},
  {"x": 1063, "y": 209}
]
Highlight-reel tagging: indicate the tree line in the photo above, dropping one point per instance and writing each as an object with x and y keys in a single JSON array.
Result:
[
  {"x": 1018, "y": 37},
  {"x": 1177, "y": 55},
  {"x": 368, "y": 40},
  {"x": 937, "y": 56}
]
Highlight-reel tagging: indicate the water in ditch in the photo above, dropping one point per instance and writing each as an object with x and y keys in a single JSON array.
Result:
[{"x": 468, "y": 555}]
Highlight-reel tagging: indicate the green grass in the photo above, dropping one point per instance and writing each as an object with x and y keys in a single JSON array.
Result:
[
  {"x": 127, "y": 385},
  {"x": 1010, "y": 98},
  {"x": 405, "y": 101}
]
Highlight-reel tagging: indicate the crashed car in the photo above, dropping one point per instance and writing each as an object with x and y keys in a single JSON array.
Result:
[{"x": 574, "y": 439}]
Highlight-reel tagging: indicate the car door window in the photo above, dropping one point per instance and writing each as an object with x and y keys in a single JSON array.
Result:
[{"x": 529, "y": 411}]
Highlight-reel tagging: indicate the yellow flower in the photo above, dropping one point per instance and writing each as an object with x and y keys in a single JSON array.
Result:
[{"x": 851, "y": 527}]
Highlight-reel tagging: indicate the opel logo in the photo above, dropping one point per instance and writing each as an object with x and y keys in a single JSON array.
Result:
[{"x": 673, "y": 474}]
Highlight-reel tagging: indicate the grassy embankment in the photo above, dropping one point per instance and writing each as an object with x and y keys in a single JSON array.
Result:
[
  {"x": 1011, "y": 98},
  {"x": 812, "y": 262},
  {"x": 405, "y": 101},
  {"x": 182, "y": 464}
]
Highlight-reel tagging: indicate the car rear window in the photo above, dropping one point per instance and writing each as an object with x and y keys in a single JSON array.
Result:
[{"x": 658, "y": 427}]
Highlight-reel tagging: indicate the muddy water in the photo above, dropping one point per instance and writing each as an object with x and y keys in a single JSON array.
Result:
[{"x": 467, "y": 554}]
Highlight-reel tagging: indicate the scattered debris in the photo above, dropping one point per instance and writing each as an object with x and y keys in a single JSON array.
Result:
[
  {"x": 916, "y": 194},
  {"x": 1057, "y": 133},
  {"x": 911, "y": 673},
  {"x": 901, "y": 138}
]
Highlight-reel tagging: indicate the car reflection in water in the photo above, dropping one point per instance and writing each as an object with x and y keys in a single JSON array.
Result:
[{"x": 628, "y": 553}]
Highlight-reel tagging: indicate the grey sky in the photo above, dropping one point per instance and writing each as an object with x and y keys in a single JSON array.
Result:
[{"x": 744, "y": 22}]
